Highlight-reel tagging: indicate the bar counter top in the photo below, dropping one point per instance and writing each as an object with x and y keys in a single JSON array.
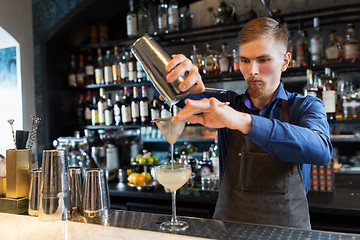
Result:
[{"x": 137, "y": 225}]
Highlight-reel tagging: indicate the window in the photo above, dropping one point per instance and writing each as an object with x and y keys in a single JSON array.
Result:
[{"x": 10, "y": 89}]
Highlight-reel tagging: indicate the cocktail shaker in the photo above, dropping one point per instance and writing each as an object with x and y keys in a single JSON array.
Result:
[
  {"x": 153, "y": 58},
  {"x": 34, "y": 193}
]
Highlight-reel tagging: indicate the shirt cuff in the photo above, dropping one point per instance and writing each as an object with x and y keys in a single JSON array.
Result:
[{"x": 261, "y": 130}]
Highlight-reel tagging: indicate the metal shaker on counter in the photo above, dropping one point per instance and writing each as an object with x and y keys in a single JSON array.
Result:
[{"x": 153, "y": 58}]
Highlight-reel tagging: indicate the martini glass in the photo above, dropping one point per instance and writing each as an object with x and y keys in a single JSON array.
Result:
[{"x": 173, "y": 177}]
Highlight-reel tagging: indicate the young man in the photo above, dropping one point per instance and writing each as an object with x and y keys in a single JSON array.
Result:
[{"x": 268, "y": 137}]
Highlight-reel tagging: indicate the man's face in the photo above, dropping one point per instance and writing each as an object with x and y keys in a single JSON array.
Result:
[{"x": 261, "y": 62}]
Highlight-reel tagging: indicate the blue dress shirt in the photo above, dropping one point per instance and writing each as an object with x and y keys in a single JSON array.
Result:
[{"x": 306, "y": 140}]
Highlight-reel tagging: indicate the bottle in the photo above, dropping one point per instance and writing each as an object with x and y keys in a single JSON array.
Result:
[
  {"x": 351, "y": 44},
  {"x": 318, "y": 84},
  {"x": 211, "y": 65},
  {"x": 329, "y": 94},
  {"x": 165, "y": 110},
  {"x": 99, "y": 79},
  {"x": 109, "y": 112},
  {"x": 108, "y": 78},
  {"x": 155, "y": 109},
  {"x": 135, "y": 108},
  {"x": 302, "y": 50},
  {"x": 116, "y": 66},
  {"x": 142, "y": 18},
  {"x": 131, "y": 21},
  {"x": 186, "y": 18},
  {"x": 236, "y": 60},
  {"x": 80, "y": 75},
  {"x": 144, "y": 106},
  {"x": 162, "y": 17},
  {"x": 292, "y": 49},
  {"x": 225, "y": 59},
  {"x": 340, "y": 87},
  {"x": 173, "y": 16},
  {"x": 152, "y": 25},
  {"x": 124, "y": 68},
  {"x": 140, "y": 74},
  {"x": 89, "y": 69},
  {"x": 196, "y": 58},
  {"x": 310, "y": 89},
  {"x": 316, "y": 44},
  {"x": 205, "y": 165},
  {"x": 102, "y": 105},
  {"x": 132, "y": 68},
  {"x": 350, "y": 102},
  {"x": 117, "y": 110},
  {"x": 333, "y": 50},
  {"x": 94, "y": 112},
  {"x": 126, "y": 107},
  {"x": 87, "y": 111},
  {"x": 72, "y": 74},
  {"x": 215, "y": 157},
  {"x": 81, "y": 110}
]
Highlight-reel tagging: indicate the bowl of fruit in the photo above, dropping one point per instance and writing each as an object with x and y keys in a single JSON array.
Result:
[
  {"x": 144, "y": 159},
  {"x": 141, "y": 180}
]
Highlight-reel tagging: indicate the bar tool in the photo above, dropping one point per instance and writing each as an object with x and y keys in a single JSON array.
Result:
[
  {"x": 75, "y": 175},
  {"x": 11, "y": 121},
  {"x": 33, "y": 131},
  {"x": 21, "y": 138}
]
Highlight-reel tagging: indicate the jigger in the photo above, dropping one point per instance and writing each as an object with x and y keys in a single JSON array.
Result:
[
  {"x": 96, "y": 200},
  {"x": 54, "y": 191}
]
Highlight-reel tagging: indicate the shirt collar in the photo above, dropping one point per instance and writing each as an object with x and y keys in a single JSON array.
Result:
[{"x": 280, "y": 93}]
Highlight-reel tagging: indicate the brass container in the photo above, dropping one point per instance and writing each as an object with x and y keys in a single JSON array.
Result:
[{"x": 17, "y": 173}]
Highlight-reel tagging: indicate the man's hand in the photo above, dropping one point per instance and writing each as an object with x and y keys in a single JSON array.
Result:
[
  {"x": 214, "y": 114},
  {"x": 177, "y": 67}
]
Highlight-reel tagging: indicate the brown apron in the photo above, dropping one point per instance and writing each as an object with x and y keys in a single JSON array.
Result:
[{"x": 258, "y": 188}]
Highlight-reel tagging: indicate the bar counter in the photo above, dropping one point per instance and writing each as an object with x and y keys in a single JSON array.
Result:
[{"x": 137, "y": 225}]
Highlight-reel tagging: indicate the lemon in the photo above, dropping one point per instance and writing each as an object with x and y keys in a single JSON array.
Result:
[
  {"x": 148, "y": 176},
  {"x": 138, "y": 179},
  {"x": 130, "y": 178}
]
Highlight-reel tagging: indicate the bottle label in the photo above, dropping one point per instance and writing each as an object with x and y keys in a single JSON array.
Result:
[
  {"x": 108, "y": 78},
  {"x": 101, "y": 110},
  {"x": 131, "y": 25},
  {"x": 329, "y": 99},
  {"x": 165, "y": 113},
  {"x": 332, "y": 53},
  {"x": 109, "y": 119},
  {"x": 209, "y": 64},
  {"x": 135, "y": 111},
  {"x": 116, "y": 72},
  {"x": 162, "y": 20},
  {"x": 224, "y": 64},
  {"x": 351, "y": 51},
  {"x": 99, "y": 76},
  {"x": 124, "y": 71},
  {"x": 132, "y": 75},
  {"x": 94, "y": 116},
  {"x": 87, "y": 113},
  {"x": 155, "y": 113},
  {"x": 89, "y": 70},
  {"x": 117, "y": 115},
  {"x": 72, "y": 80},
  {"x": 126, "y": 114},
  {"x": 173, "y": 18},
  {"x": 144, "y": 109},
  {"x": 80, "y": 79}
]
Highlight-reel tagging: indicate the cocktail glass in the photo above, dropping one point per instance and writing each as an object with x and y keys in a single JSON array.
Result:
[{"x": 173, "y": 176}]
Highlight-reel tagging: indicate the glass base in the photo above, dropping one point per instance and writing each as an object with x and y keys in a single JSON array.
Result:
[{"x": 174, "y": 226}]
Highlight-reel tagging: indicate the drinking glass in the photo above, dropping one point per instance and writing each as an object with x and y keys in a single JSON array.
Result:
[{"x": 173, "y": 176}]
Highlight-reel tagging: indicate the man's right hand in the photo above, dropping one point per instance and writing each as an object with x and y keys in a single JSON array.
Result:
[{"x": 177, "y": 67}]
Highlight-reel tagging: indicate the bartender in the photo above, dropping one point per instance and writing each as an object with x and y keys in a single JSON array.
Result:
[{"x": 268, "y": 137}]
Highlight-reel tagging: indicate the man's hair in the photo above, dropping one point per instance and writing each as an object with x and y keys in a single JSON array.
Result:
[{"x": 264, "y": 27}]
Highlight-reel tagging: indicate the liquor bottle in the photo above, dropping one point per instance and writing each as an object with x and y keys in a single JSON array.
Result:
[
  {"x": 292, "y": 49},
  {"x": 329, "y": 94},
  {"x": 135, "y": 108},
  {"x": 225, "y": 59},
  {"x": 144, "y": 106},
  {"x": 124, "y": 68},
  {"x": 186, "y": 18},
  {"x": 72, "y": 74},
  {"x": 316, "y": 44},
  {"x": 205, "y": 165},
  {"x": 117, "y": 110},
  {"x": 152, "y": 25},
  {"x": 140, "y": 74},
  {"x": 236, "y": 61},
  {"x": 116, "y": 66},
  {"x": 126, "y": 107},
  {"x": 131, "y": 21},
  {"x": 102, "y": 106},
  {"x": 351, "y": 44},
  {"x": 99, "y": 78},
  {"x": 340, "y": 87},
  {"x": 319, "y": 85},
  {"x": 142, "y": 18},
  {"x": 89, "y": 69},
  {"x": 173, "y": 16},
  {"x": 165, "y": 110},
  {"x": 108, "y": 78},
  {"x": 80, "y": 109},
  {"x": 155, "y": 109},
  {"x": 333, "y": 51},
  {"x": 132, "y": 68},
  {"x": 302, "y": 50},
  {"x": 211, "y": 65},
  {"x": 350, "y": 102},
  {"x": 215, "y": 157},
  {"x": 80, "y": 75},
  {"x": 162, "y": 17},
  {"x": 87, "y": 112},
  {"x": 109, "y": 112},
  {"x": 196, "y": 58},
  {"x": 310, "y": 89},
  {"x": 94, "y": 112}
]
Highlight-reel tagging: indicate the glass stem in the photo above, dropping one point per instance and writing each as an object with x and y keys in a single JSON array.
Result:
[{"x": 173, "y": 218}]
